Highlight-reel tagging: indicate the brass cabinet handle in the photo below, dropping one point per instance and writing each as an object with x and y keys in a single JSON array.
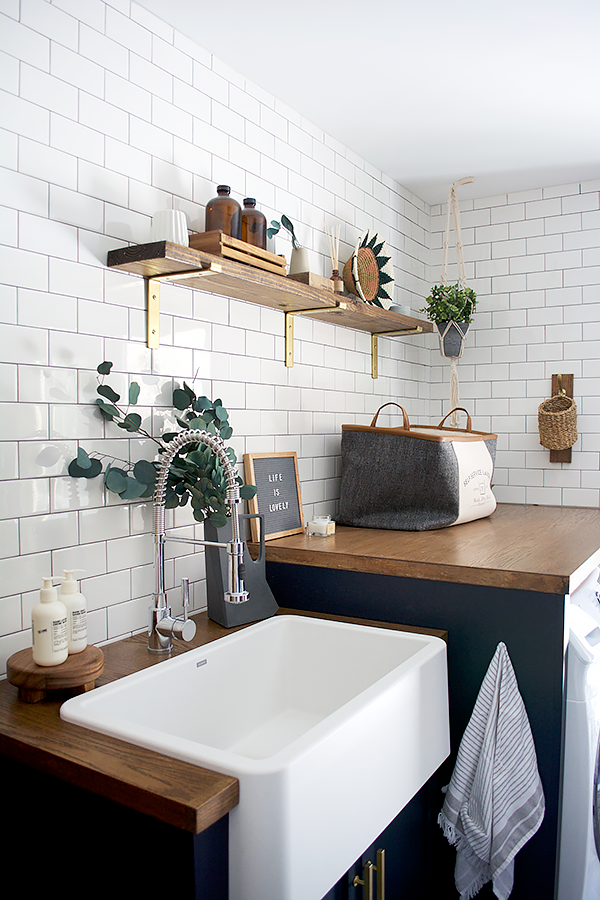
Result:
[
  {"x": 367, "y": 881},
  {"x": 380, "y": 869}
]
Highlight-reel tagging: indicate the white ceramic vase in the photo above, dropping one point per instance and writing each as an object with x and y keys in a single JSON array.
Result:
[
  {"x": 170, "y": 225},
  {"x": 300, "y": 261}
]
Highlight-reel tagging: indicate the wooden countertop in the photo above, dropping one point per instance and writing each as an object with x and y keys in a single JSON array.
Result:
[
  {"x": 183, "y": 795},
  {"x": 538, "y": 548},
  {"x": 178, "y": 793}
]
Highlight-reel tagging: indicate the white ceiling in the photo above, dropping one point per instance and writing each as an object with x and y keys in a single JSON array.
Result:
[{"x": 428, "y": 91}]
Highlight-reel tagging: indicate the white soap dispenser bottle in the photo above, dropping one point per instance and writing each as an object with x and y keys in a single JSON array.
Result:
[
  {"x": 49, "y": 627},
  {"x": 76, "y": 606}
]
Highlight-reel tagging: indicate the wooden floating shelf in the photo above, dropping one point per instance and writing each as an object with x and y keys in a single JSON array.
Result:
[{"x": 164, "y": 261}]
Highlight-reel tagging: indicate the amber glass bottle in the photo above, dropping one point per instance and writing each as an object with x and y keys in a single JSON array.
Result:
[
  {"x": 254, "y": 224},
  {"x": 223, "y": 213}
]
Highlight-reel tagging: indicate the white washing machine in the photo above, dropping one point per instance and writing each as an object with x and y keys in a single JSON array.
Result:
[{"x": 579, "y": 866}]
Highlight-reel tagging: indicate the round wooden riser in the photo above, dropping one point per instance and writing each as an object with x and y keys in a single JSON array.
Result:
[{"x": 77, "y": 674}]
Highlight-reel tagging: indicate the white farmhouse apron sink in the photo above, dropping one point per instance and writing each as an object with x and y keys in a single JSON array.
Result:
[{"x": 330, "y": 727}]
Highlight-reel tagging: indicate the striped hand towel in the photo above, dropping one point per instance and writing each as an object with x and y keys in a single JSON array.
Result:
[{"x": 495, "y": 801}]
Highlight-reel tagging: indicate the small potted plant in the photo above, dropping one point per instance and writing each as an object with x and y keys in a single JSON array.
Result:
[
  {"x": 450, "y": 307},
  {"x": 299, "y": 261}
]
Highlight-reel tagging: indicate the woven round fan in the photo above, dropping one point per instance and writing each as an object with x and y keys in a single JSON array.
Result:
[{"x": 369, "y": 273}]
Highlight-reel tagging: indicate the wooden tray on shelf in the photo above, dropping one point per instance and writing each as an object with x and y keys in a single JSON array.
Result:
[
  {"x": 220, "y": 244},
  {"x": 319, "y": 281}
]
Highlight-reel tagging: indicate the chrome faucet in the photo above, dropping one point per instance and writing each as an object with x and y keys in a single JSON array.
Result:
[{"x": 162, "y": 626}]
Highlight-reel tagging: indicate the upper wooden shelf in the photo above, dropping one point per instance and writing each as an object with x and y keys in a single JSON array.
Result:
[{"x": 164, "y": 260}]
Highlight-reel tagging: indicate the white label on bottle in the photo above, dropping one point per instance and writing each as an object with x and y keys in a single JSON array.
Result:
[
  {"x": 78, "y": 624},
  {"x": 59, "y": 634}
]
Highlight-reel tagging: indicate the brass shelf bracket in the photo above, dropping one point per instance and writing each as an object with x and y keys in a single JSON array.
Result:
[
  {"x": 289, "y": 327},
  {"x": 153, "y": 297},
  {"x": 375, "y": 345}
]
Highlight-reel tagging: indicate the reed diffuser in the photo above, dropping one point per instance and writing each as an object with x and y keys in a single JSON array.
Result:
[{"x": 333, "y": 239}]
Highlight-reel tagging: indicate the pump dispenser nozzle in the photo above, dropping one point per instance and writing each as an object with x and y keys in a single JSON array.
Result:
[
  {"x": 48, "y": 592},
  {"x": 69, "y": 583}
]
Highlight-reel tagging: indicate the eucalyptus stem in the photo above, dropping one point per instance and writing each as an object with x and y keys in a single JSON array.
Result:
[{"x": 195, "y": 474}]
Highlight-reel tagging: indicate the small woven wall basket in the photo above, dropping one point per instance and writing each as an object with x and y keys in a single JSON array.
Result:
[{"x": 557, "y": 422}]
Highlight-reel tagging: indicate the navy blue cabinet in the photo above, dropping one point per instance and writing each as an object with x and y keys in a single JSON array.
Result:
[
  {"x": 68, "y": 842},
  {"x": 411, "y": 844},
  {"x": 532, "y": 626}
]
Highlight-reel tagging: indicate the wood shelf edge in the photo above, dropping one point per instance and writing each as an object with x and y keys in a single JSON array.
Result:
[{"x": 239, "y": 280}]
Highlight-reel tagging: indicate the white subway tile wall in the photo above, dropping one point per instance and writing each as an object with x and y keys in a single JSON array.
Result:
[
  {"x": 538, "y": 315},
  {"x": 109, "y": 114}
]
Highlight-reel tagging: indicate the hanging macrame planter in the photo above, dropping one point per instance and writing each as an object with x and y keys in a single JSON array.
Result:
[
  {"x": 452, "y": 338},
  {"x": 453, "y": 332}
]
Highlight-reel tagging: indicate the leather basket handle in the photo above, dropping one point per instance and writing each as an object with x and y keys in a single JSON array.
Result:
[
  {"x": 458, "y": 409},
  {"x": 406, "y": 423}
]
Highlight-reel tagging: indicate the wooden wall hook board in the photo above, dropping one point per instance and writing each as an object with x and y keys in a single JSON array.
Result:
[{"x": 562, "y": 384}]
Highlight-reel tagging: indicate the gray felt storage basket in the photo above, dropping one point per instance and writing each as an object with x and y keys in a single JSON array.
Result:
[{"x": 415, "y": 478}]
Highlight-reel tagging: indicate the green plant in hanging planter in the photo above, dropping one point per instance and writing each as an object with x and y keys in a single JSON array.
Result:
[
  {"x": 275, "y": 226},
  {"x": 195, "y": 476},
  {"x": 450, "y": 303}
]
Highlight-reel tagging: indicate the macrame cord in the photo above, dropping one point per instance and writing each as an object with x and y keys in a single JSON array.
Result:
[{"x": 454, "y": 211}]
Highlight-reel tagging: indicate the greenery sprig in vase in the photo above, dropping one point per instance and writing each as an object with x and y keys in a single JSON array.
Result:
[
  {"x": 196, "y": 476},
  {"x": 275, "y": 227}
]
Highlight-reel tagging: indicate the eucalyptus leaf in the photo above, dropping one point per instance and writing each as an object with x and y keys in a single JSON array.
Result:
[
  {"x": 83, "y": 460},
  {"x": 189, "y": 392},
  {"x": 197, "y": 458},
  {"x": 106, "y": 391},
  {"x": 133, "y": 489},
  {"x": 202, "y": 403},
  {"x": 181, "y": 399},
  {"x": 247, "y": 491},
  {"x": 131, "y": 422},
  {"x": 287, "y": 224},
  {"x": 104, "y": 368},
  {"x": 116, "y": 480},
  {"x": 198, "y": 422},
  {"x": 145, "y": 472},
  {"x": 226, "y": 432},
  {"x": 107, "y": 410},
  {"x": 219, "y": 520},
  {"x": 92, "y": 471},
  {"x": 172, "y": 500},
  {"x": 134, "y": 392}
]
